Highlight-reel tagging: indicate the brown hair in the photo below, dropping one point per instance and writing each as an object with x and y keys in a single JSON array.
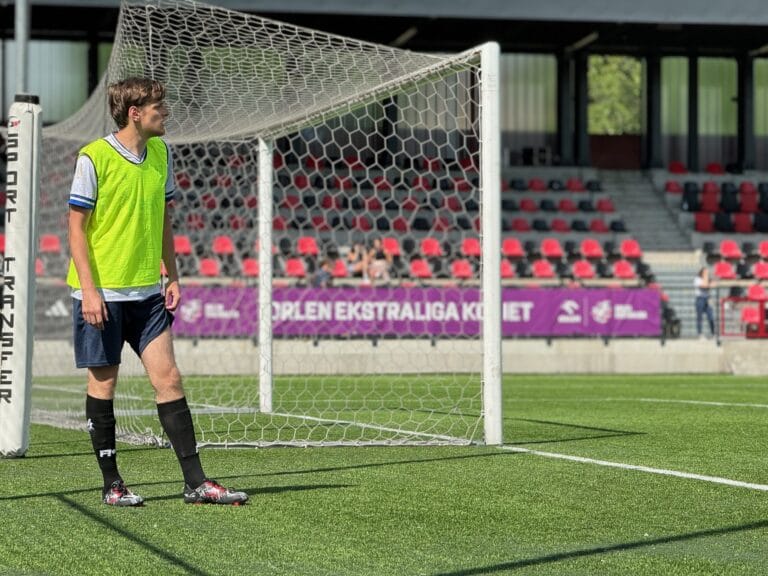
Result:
[{"x": 132, "y": 92}]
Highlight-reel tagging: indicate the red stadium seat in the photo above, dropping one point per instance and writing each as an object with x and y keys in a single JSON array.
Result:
[
  {"x": 605, "y": 205},
  {"x": 39, "y": 267},
  {"x": 760, "y": 270},
  {"x": 715, "y": 168},
  {"x": 591, "y": 249},
  {"x": 320, "y": 223},
  {"x": 381, "y": 183},
  {"x": 373, "y": 204},
  {"x": 342, "y": 182},
  {"x": 552, "y": 249},
  {"x": 278, "y": 223},
  {"x": 762, "y": 249},
  {"x": 724, "y": 270},
  {"x": 529, "y": 205},
  {"x": 353, "y": 163},
  {"x": 307, "y": 246},
  {"x": 277, "y": 160},
  {"x": 673, "y": 187},
  {"x": 442, "y": 224},
  {"x": 703, "y": 222},
  {"x": 710, "y": 201},
  {"x": 300, "y": 181},
  {"x": 750, "y": 315},
  {"x": 422, "y": 183},
  {"x": 543, "y": 269},
  {"x": 250, "y": 267},
  {"x": 362, "y": 222},
  {"x": 598, "y": 226},
  {"x": 461, "y": 269},
  {"x": 182, "y": 245},
  {"x": 391, "y": 246},
  {"x": 742, "y": 223},
  {"x": 677, "y": 167},
  {"x": 432, "y": 164},
  {"x": 470, "y": 248},
  {"x": 50, "y": 244},
  {"x": 295, "y": 268},
  {"x": 2, "y": 243},
  {"x": 583, "y": 270},
  {"x": 574, "y": 185},
  {"x": 339, "y": 269},
  {"x": 236, "y": 222},
  {"x": 409, "y": 205},
  {"x": 400, "y": 224},
  {"x": 507, "y": 271},
  {"x": 748, "y": 202},
  {"x": 567, "y": 205},
  {"x": 623, "y": 270},
  {"x": 314, "y": 163},
  {"x": 209, "y": 267},
  {"x": 730, "y": 250},
  {"x": 756, "y": 293},
  {"x": 710, "y": 187},
  {"x": 629, "y": 248},
  {"x": 223, "y": 246},
  {"x": 559, "y": 225},
  {"x": 512, "y": 248},
  {"x": 462, "y": 185},
  {"x": 420, "y": 269},
  {"x": 183, "y": 181},
  {"x": 195, "y": 221},
  {"x": 537, "y": 185},
  {"x": 521, "y": 225},
  {"x": 431, "y": 248}
]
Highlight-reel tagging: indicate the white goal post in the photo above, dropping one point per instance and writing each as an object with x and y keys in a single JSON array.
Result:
[{"x": 326, "y": 188}]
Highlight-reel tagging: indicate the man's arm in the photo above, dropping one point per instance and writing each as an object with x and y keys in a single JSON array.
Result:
[
  {"x": 94, "y": 308},
  {"x": 172, "y": 289}
]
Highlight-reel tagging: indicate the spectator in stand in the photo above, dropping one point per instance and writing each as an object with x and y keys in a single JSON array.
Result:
[
  {"x": 357, "y": 261},
  {"x": 702, "y": 284},
  {"x": 379, "y": 262},
  {"x": 323, "y": 276}
]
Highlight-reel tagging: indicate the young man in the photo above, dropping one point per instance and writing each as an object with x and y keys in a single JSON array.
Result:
[{"x": 119, "y": 231}]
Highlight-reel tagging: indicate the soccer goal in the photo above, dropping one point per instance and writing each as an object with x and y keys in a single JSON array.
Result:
[{"x": 337, "y": 231}]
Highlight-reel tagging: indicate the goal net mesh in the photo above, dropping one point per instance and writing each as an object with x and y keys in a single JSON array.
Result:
[{"x": 376, "y": 222}]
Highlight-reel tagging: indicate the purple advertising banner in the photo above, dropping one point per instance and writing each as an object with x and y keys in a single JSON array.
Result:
[{"x": 436, "y": 311}]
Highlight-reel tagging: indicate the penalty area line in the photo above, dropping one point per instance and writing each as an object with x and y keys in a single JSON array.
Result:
[{"x": 646, "y": 469}]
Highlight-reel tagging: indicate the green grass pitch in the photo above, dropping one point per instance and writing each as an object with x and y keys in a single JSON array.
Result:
[{"x": 430, "y": 510}]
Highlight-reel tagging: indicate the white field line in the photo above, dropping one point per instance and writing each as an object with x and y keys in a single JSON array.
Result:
[
  {"x": 704, "y": 403},
  {"x": 646, "y": 469},
  {"x": 79, "y": 391}
]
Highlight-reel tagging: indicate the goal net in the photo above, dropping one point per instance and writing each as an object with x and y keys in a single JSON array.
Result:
[{"x": 331, "y": 195}]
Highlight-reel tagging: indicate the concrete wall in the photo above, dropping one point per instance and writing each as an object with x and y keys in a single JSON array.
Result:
[{"x": 229, "y": 357}]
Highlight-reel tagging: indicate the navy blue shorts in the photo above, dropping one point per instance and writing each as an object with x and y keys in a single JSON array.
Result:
[{"x": 135, "y": 322}]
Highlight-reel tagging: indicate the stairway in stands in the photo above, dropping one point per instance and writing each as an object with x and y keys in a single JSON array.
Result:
[{"x": 667, "y": 248}]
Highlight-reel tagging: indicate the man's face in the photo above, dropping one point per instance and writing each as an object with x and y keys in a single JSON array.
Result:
[{"x": 152, "y": 117}]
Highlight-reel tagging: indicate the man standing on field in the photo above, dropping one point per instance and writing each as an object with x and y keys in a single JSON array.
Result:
[{"x": 119, "y": 231}]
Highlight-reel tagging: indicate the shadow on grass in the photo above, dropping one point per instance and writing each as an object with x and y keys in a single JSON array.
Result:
[
  {"x": 238, "y": 477},
  {"x": 264, "y": 490},
  {"x": 609, "y": 432},
  {"x": 169, "y": 557},
  {"x": 587, "y": 552}
]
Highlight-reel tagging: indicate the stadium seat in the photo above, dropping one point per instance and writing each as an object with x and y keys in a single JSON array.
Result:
[
  {"x": 461, "y": 185},
  {"x": 2, "y": 243},
  {"x": 547, "y": 205},
  {"x": 703, "y": 223},
  {"x": 422, "y": 184},
  {"x": 567, "y": 205},
  {"x": 677, "y": 167},
  {"x": 710, "y": 201},
  {"x": 551, "y": 249},
  {"x": 623, "y": 270},
  {"x": 760, "y": 270},
  {"x": 520, "y": 225},
  {"x": 420, "y": 269},
  {"x": 342, "y": 182},
  {"x": 373, "y": 204},
  {"x": 461, "y": 269},
  {"x": 209, "y": 267},
  {"x": 223, "y": 246},
  {"x": 559, "y": 225},
  {"x": 730, "y": 250},
  {"x": 507, "y": 270},
  {"x": 742, "y": 223},
  {"x": 729, "y": 200},
  {"x": 432, "y": 164},
  {"x": 542, "y": 269},
  {"x": 361, "y": 222},
  {"x": 757, "y": 293},
  {"x": 381, "y": 183},
  {"x": 605, "y": 205},
  {"x": 748, "y": 202},
  {"x": 760, "y": 222},
  {"x": 599, "y": 226},
  {"x": 723, "y": 222},
  {"x": 353, "y": 162},
  {"x": 39, "y": 267},
  {"x": 529, "y": 205},
  {"x": 431, "y": 248},
  {"x": 511, "y": 248},
  {"x": 574, "y": 185},
  {"x": 673, "y": 187},
  {"x": 391, "y": 246},
  {"x": 295, "y": 268},
  {"x": 583, "y": 270},
  {"x": 537, "y": 185},
  {"x": 195, "y": 221},
  {"x": 400, "y": 224},
  {"x": 714, "y": 168},
  {"x": 710, "y": 187},
  {"x": 183, "y": 181},
  {"x": 470, "y": 248},
  {"x": 314, "y": 163},
  {"x": 629, "y": 248},
  {"x": 591, "y": 249},
  {"x": 50, "y": 244},
  {"x": 750, "y": 315},
  {"x": 182, "y": 245},
  {"x": 278, "y": 223},
  {"x": 250, "y": 267},
  {"x": 307, "y": 246},
  {"x": 300, "y": 181},
  {"x": 724, "y": 270},
  {"x": 339, "y": 269}
]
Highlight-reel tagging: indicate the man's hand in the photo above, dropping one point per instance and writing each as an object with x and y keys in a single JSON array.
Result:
[
  {"x": 172, "y": 295},
  {"x": 94, "y": 309}
]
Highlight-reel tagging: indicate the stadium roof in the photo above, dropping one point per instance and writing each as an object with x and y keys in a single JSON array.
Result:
[{"x": 666, "y": 26}]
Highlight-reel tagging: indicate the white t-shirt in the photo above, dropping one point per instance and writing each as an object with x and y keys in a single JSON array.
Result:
[{"x": 698, "y": 284}]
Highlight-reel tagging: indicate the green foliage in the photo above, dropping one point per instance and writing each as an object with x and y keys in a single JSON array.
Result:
[{"x": 615, "y": 95}]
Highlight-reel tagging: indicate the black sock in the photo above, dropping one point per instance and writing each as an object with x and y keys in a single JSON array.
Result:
[
  {"x": 176, "y": 420},
  {"x": 101, "y": 426}
]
